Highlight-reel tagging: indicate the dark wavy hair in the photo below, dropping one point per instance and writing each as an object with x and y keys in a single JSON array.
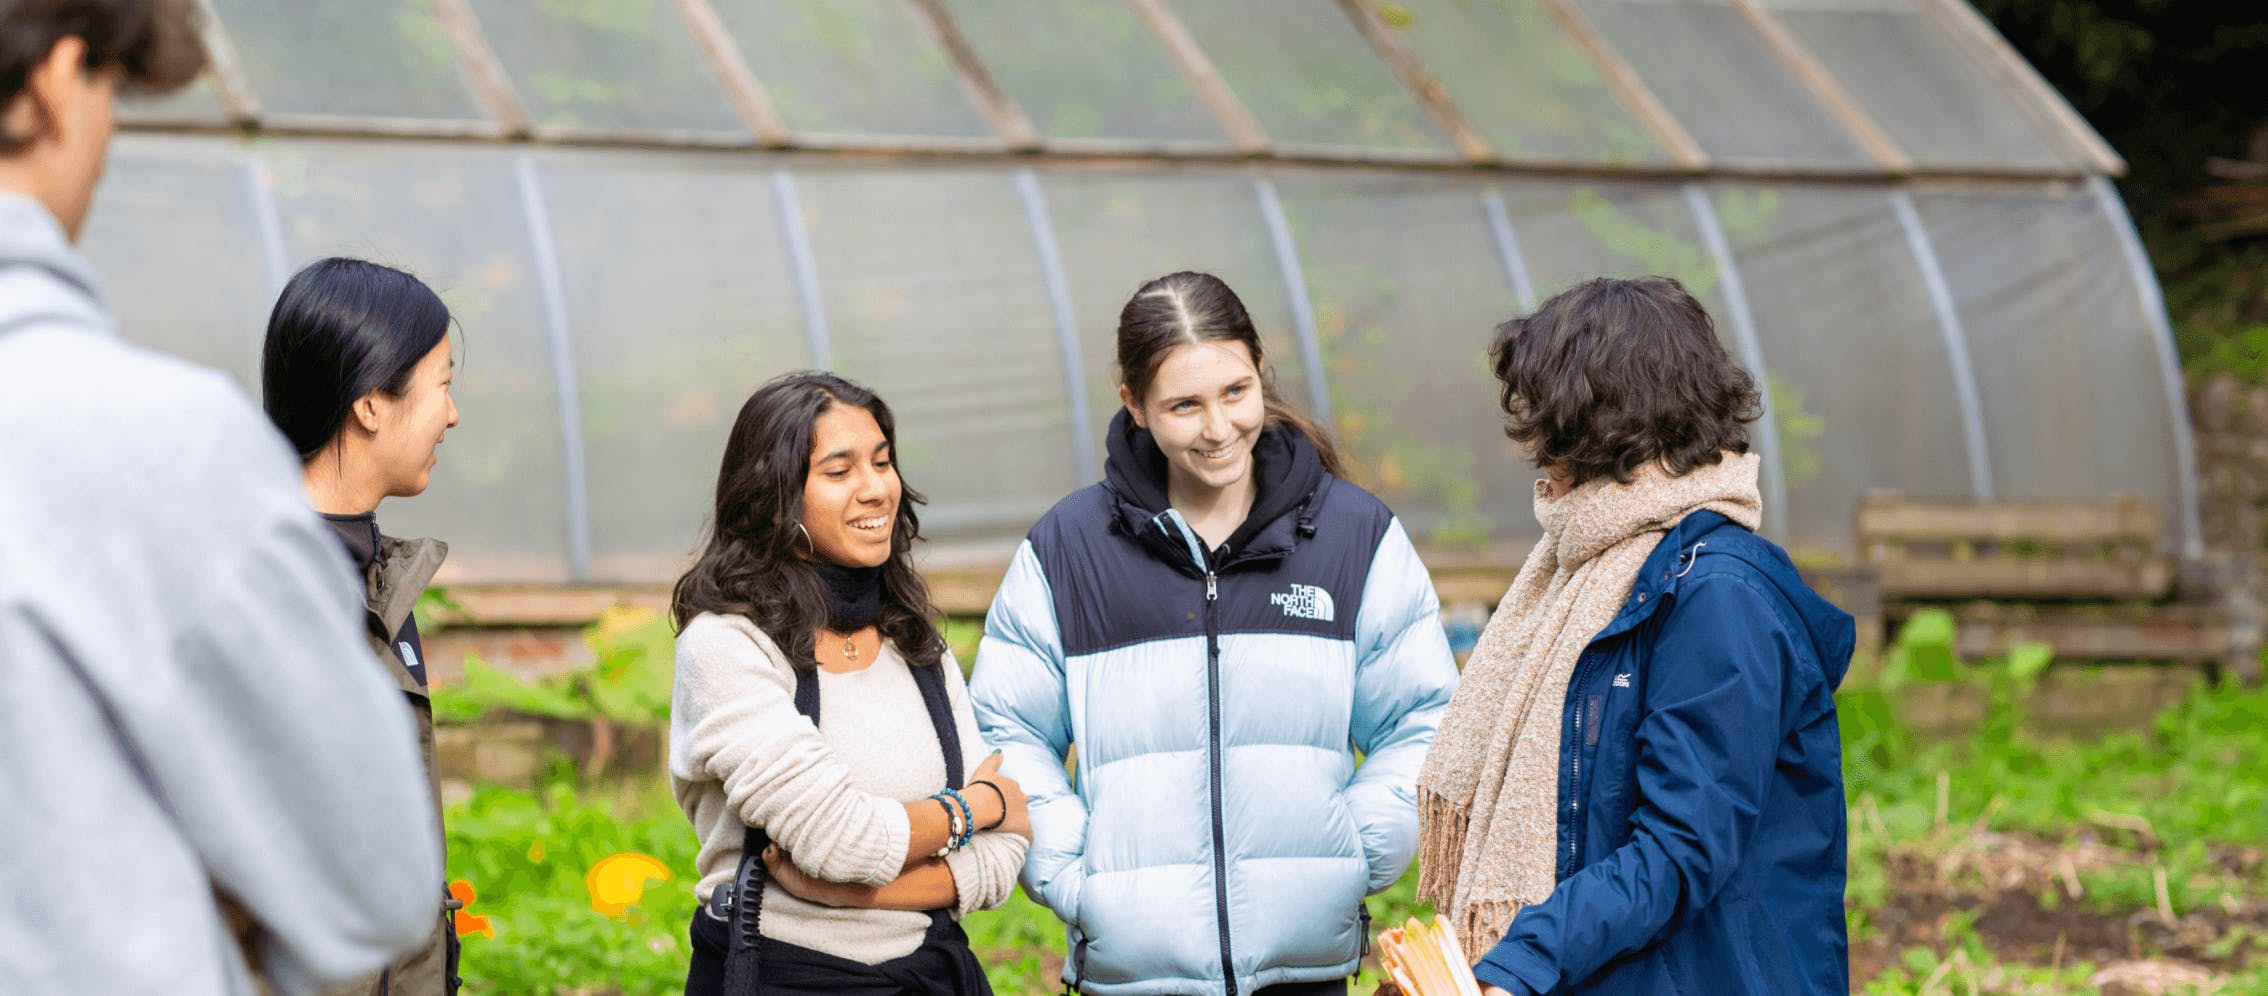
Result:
[
  {"x": 155, "y": 44},
  {"x": 752, "y": 562},
  {"x": 1188, "y": 307},
  {"x": 341, "y": 329},
  {"x": 1611, "y": 374}
]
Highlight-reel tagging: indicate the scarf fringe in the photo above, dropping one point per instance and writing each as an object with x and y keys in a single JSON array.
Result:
[
  {"x": 1442, "y": 826},
  {"x": 1481, "y": 926},
  {"x": 1441, "y": 847}
]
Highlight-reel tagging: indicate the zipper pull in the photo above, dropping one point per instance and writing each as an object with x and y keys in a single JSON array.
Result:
[{"x": 1212, "y": 587}]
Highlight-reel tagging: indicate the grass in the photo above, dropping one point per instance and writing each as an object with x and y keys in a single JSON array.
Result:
[{"x": 2173, "y": 815}]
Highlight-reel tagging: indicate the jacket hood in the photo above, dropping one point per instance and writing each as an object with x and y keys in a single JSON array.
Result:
[
  {"x": 1831, "y": 630},
  {"x": 399, "y": 575},
  {"x": 41, "y": 277},
  {"x": 1285, "y": 468}
]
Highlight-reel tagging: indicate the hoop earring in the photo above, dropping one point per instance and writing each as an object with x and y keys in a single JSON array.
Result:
[{"x": 812, "y": 548}]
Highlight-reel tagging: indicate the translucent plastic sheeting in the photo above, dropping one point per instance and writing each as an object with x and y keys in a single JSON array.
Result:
[
  {"x": 452, "y": 216},
  {"x": 852, "y": 67},
  {"x": 1519, "y": 80},
  {"x": 2074, "y": 394},
  {"x": 197, "y": 103},
  {"x": 1572, "y": 231},
  {"x": 1915, "y": 81},
  {"x": 1719, "y": 79},
  {"x": 1116, "y": 82},
  {"x": 1119, "y": 230},
  {"x": 210, "y": 305},
  {"x": 681, "y": 303},
  {"x": 1306, "y": 72},
  {"x": 1863, "y": 395},
  {"x": 934, "y": 299},
  {"x": 1408, "y": 290},
  {"x": 364, "y": 58},
  {"x": 619, "y": 64}
]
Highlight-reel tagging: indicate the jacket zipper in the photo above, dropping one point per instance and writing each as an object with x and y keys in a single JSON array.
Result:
[
  {"x": 1575, "y": 766},
  {"x": 1213, "y": 708}
]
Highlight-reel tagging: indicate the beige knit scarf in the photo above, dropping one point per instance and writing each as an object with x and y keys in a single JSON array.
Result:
[{"x": 1488, "y": 795}]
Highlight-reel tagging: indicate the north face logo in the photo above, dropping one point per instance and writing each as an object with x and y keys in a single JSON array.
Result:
[{"x": 1306, "y": 601}]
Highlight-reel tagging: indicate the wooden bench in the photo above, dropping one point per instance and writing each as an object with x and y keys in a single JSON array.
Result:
[{"x": 2090, "y": 578}]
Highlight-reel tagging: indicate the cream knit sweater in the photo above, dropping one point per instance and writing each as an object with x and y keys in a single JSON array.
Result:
[{"x": 740, "y": 755}]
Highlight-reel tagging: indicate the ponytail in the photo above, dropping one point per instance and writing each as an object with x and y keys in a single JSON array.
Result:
[{"x": 1282, "y": 414}]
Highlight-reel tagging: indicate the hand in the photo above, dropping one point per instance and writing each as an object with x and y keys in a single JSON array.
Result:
[
  {"x": 1015, "y": 816},
  {"x": 1489, "y": 990},
  {"x": 811, "y": 888}
]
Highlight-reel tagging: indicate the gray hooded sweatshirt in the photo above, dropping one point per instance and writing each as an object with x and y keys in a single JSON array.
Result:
[{"x": 186, "y": 701}]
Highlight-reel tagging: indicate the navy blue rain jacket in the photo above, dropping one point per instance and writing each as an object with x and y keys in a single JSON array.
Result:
[{"x": 1701, "y": 813}]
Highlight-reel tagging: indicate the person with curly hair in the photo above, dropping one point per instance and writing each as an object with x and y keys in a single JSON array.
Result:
[{"x": 1638, "y": 785}]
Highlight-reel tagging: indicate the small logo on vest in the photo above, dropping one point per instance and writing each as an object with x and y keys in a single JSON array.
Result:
[
  {"x": 1622, "y": 681},
  {"x": 1306, "y": 601}
]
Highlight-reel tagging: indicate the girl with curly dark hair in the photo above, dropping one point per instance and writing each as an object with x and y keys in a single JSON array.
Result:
[{"x": 1638, "y": 785}]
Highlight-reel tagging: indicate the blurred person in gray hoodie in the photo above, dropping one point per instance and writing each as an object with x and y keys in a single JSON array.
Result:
[{"x": 187, "y": 706}]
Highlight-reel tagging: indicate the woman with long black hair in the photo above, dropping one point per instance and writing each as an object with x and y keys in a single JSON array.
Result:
[
  {"x": 1217, "y": 628},
  {"x": 356, "y": 373},
  {"x": 821, "y": 741}
]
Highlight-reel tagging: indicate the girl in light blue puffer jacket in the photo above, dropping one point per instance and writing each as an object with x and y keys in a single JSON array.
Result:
[{"x": 1216, "y": 629}]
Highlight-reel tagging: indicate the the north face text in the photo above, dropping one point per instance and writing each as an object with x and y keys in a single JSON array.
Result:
[{"x": 1306, "y": 601}]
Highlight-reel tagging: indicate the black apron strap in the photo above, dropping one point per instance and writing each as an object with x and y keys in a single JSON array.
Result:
[
  {"x": 931, "y": 680},
  {"x": 740, "y": 975}
]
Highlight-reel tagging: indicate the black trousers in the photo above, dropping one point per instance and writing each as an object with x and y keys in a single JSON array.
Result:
[
  {"x": 942, "y": 966},
  {"x": 1327, "y": 987}
]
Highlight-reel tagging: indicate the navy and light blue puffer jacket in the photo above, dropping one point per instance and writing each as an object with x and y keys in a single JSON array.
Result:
[{"x": 1220, "y": 836}]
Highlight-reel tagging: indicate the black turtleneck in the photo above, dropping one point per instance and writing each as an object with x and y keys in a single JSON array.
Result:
[
  {"x": 359, "y": 534},
  {"x": 854, "y": 595}
]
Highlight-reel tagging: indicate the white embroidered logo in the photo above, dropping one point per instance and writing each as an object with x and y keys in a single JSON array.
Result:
[
  {"x": 1306, "y": 601},
  {"x": 1622, "y": 681},
  {"x": 409, "y": 656}
]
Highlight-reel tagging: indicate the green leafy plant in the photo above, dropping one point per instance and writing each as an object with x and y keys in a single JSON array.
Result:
[
  {"x": 432, "y": 606},
  {"x": 629, "y": 682},
  {"x": 487, "y": 689}
]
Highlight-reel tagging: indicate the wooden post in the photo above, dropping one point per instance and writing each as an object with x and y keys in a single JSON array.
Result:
[
  {"x": 998, "y": 107},
  {"x": 748, "y": 95},
  {"x": 2033, "y": 96},
  {"x": 1629, "y": 88},
  {"x": 1823, "y": 85},
  {"x": 1421, "y": 82},
  {"x": 1234, "y": 118},
  {"x": 490, "y": 82},
  {"x": 228, "y": 71}
]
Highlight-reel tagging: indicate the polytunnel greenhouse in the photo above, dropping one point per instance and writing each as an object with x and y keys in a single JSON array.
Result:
[{"x": 640, "y": 209}]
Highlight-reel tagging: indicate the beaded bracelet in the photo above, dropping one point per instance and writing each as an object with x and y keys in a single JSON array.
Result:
[
  {"x": 967, "y": 825},
  {"x": 953, "y": 825}
]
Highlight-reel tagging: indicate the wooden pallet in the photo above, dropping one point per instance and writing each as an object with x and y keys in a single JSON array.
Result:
[
  {"x": 2088, "y": 578},
  {"x": 2025, "y": 550}
]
